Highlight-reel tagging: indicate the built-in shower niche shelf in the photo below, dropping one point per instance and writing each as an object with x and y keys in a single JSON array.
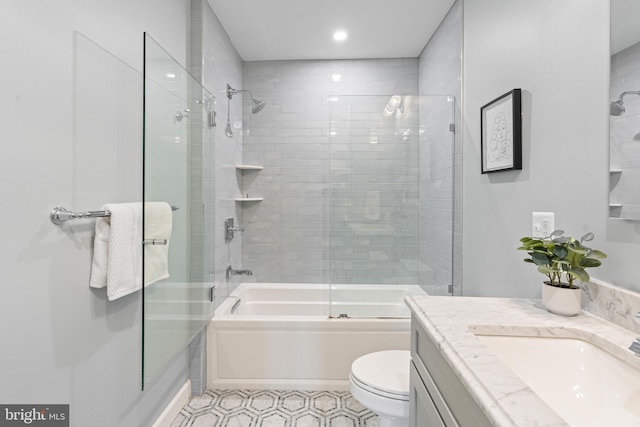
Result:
[
  {"x": 615, "y": 205},
  {"x": 243, "y": 185},
  {"x": 249, "y": 167},
  {"x": 615, "y": 170}
]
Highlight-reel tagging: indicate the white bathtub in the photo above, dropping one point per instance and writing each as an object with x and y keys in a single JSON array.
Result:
[{"x": 269, "y": 335}]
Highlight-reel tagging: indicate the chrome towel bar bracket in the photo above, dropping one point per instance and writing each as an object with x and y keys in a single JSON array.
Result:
[
  {"x": 58, "y": 215},
  {"x": 161, "y": 242}
]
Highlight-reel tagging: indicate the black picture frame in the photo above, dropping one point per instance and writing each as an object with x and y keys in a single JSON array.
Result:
[{"x": 501, "y": 133}]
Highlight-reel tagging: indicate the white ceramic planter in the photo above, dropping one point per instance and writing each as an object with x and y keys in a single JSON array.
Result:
[{"x": 562, "y": 301}]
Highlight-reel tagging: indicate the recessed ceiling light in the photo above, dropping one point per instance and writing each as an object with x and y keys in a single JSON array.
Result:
[
  {"x": 340, "y": 36},
  {"x": 336, "y": 77}
]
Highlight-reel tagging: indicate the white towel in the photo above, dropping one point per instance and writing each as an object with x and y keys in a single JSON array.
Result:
[
  {"x": 117, "y": 250},
  {"x": 158, "y": 222}
]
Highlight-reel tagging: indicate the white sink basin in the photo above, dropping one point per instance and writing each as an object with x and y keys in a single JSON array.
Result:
[{"x": 585, "y": 385}]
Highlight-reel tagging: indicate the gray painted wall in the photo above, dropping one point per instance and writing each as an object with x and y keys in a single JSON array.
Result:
[
  {"x": 565, "y": 139},
  {"x": 72, "y": 137}
]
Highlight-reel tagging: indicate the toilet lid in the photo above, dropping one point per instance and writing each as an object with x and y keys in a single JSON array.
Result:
[{"x": 386, "y": 372}]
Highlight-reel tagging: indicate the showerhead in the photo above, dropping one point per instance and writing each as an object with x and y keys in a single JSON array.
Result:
[
  {"x": 616, "y": 108},
  {"x": 258, "y": 104}
]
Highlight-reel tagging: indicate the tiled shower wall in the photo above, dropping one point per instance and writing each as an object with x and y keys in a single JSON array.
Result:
[
  {"x": 286, "y": 236},
  {"x": 373, "y": 199},
  {"x": 625, "y": 135},
  {"x": 216, "y": 62},
  {"x": 440, "y": 74}
]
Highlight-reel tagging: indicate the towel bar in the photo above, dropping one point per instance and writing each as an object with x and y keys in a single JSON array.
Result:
[
  {"x": 161, "y": 242},
  {"x": 58, "y": 215}
]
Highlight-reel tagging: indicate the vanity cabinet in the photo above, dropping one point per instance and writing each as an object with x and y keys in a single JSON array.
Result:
[{"x": 438, "y": 397}]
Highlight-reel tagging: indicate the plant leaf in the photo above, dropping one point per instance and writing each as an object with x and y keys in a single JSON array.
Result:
[
  {"x": 587, "y": 237},
  {"x": 597, "y": 254},
  {"x": 575, "y": 256},
  {"x": 533, "y": 244},
  {"x": 561, "y": 240},
  {"x": 545, "y": 270},
  {"x": 590, "y": 262},
  {"x": 579, "y": 274},
  {"x": 539, "y": 258},
  {"x": 560, "y": 251}
]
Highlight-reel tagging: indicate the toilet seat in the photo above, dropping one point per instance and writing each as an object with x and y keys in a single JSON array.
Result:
[{"x": 384, "y": 373}]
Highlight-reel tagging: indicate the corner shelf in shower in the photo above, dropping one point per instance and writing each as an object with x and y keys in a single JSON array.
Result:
[
  {"x": 615, "y": 205},
  {"x": 615, "y": 170},
  {"x": 244, "y": 168}
]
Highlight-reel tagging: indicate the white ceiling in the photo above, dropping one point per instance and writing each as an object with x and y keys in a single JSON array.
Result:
[{"x": 303, "y": 29}]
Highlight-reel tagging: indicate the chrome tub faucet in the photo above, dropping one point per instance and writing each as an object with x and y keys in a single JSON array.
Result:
[{"x": 232, "y": 272}]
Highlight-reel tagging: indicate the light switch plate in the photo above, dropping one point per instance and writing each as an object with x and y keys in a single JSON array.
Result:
[{"x": 542, "y": 224}]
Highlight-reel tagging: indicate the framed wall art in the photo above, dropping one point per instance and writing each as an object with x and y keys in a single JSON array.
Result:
[{"x": 501, "y": 133}]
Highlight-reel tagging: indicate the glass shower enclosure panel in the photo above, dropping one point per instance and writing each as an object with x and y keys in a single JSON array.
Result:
[
  {"x": 390, "y": 189},
  {"x": 177, "y": 292}
]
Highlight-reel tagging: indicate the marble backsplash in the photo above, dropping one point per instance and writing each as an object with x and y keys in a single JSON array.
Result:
[{"x": 614, "y": 304}]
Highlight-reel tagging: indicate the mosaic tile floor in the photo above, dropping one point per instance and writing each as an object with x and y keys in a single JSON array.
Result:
[{"x": 274, "y": 408}]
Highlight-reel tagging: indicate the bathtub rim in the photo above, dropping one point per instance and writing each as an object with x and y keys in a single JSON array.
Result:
[{"x": 223, "y": 312}]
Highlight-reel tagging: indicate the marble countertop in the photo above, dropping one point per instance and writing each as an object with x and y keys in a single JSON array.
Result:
[{"x": 505, "y": 399}]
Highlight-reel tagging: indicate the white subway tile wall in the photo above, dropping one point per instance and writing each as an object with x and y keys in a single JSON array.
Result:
[
  {"x": 221, "y": 65},
  {"x": 440, "y": 73},
  {"x": 374, "y": 189},
  {"x": 200, "y": 176},
  {"x": 287, "y": 236},
  {"x": 284, "y": 235}
]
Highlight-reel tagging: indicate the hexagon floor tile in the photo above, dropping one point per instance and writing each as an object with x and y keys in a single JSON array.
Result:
[{"x": 274, "y": 408}]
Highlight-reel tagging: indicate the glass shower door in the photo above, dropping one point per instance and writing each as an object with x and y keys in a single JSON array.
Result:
[
  {"x": 391, "y": 202},
  {"x": 176, "y": 293}
]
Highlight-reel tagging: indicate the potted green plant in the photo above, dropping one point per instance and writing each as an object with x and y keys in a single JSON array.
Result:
[{"x": 563, "y": 260}]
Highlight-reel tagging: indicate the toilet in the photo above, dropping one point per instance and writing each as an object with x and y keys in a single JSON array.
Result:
[{"x": 380, "y": 381}]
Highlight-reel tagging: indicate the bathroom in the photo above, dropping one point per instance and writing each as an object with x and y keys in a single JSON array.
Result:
[{"x": 66, "y": 344}]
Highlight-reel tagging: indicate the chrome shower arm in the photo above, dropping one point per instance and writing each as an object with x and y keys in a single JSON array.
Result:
[
  {"x": 616, "y": 108},
  {"x": 628, "y": 92},
  {"x": 231, "y": 91},
  {"x": 257, "y": 104}
]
